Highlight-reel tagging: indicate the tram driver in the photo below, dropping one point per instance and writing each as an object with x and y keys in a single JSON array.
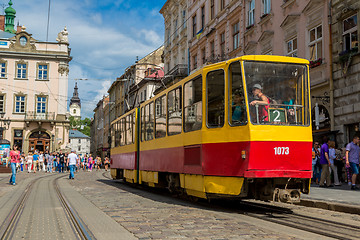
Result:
[{"x": 262, "y": 101}]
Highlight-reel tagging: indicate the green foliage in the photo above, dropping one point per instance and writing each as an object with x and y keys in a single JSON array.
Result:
[{"x": 82, "y": 125}]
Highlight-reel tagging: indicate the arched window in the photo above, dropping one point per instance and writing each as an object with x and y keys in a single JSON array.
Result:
[{"x": 74, "y": 111}]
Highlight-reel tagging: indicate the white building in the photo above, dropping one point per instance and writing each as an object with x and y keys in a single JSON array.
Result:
[{"x": 79, "y": 142}]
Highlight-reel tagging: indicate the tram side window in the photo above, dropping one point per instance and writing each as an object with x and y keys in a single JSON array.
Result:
[
  {"x": 160, "y": 117},
  {"x": 129, "y": 130},
  {"x": 133, "y": 116},
  {"x": 193, "y": 105},
  {"x": 117, "y": 133},
  {"x": 215, "y": 98},
  {"x": 174, "y": 112},
  {"x": 122, "y": 130},
  {"x": 237, "y": 105},
  {"x": 149, "y": 122},
  {"x": 113, "y": 135},
  {"x": 142, "y": 117}
]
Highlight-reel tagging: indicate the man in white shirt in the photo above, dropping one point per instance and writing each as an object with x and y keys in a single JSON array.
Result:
[{"x": 72, "y": 161}]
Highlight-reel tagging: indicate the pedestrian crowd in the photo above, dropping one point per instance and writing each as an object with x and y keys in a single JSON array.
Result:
[
  {"x": 335, "y": 166},
  {"x": 52, "y": 162}
]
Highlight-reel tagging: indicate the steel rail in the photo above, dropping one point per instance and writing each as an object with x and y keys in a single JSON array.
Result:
[
  {"x": 80, "y": 227},
  {"x": 315, "y": 225},
  {"x": 9, "y": 225}
]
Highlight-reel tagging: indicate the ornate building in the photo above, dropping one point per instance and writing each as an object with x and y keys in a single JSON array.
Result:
[
  {"x": 75, "y": 104},
  {"x": 33, "y": 87},
  {"x": 176, "y": 39},
  {"x": 345, "y": 27}
]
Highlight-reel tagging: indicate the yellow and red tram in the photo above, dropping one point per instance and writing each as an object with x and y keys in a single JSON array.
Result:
[{"x": 239, "y": 128}]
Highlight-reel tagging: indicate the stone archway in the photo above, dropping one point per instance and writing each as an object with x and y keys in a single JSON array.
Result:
[{"x": 39, "y": 140}]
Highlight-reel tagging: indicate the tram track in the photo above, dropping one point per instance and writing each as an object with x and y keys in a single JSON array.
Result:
[
  {"x": 286, "y": 217},
  {"x": 9, "y": 226},
  {"x": 279, "y": 215}
]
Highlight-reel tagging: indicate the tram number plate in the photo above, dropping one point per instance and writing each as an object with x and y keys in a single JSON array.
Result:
[{"x": 282, "y": 150}]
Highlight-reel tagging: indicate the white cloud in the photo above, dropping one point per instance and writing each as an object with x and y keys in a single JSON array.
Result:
[{"x": 102, "y": 43}]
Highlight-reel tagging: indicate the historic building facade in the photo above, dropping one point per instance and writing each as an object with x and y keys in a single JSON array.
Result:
[
  {"x": 346, "y": 68},
  {"x": 176, "y": 40},
  {"x": 33, "y": 87}
]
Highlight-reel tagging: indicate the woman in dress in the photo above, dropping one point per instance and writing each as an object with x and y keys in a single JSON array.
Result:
[{"x": 29, "y": 160}]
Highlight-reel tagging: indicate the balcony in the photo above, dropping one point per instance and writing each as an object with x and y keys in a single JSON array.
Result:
[
  {"x": 32, "y": 116},
  {"x": 180, "y": 70}
]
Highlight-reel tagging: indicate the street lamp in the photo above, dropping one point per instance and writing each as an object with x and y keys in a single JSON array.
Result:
[{"x": 4, "y": 124}]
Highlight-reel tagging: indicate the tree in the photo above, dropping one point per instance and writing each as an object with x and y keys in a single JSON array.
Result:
[{"x": 82, "y": 125}]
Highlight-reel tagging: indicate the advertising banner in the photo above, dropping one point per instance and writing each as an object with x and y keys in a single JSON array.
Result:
[{"x": 4, "y": 153}]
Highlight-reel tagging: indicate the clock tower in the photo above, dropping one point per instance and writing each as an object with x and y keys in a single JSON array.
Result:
[{"x": 75, "y": 104}]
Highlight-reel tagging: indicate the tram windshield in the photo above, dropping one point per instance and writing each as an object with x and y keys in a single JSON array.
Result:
[{"x": 277, "y": 93}]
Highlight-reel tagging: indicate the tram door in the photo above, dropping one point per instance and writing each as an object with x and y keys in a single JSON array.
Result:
[{"x": 40, "y": 141}]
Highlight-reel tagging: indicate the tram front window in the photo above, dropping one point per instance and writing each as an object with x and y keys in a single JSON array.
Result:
[{"x": 277, "y": 93}]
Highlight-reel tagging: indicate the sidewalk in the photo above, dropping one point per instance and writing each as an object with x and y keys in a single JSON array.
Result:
[{"x": 338, "y": 198}]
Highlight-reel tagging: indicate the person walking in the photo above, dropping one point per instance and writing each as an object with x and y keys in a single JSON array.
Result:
[
  {"x": 72, "y": 162},
  {"x": 352, "y": 160},
  {"x": 316, "y": 163},
  {"x": 50, "y": 161},
  {"x": 35, "y": 160},
  {"x": 41, "y": 162},
  {"x": 61, "y": 160},
  {"x": 325, "y": 163},
  {"x": 333, "y": 167},
  {"x": 29, "y": 160},
  {"x": 14, "y": 159}
]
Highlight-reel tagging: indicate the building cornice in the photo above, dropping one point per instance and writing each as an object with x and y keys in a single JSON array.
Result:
[{"x": 37, "y": 56}]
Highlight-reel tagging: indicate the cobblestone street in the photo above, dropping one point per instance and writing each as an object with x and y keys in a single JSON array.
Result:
[{"x": 155, "y": 216}]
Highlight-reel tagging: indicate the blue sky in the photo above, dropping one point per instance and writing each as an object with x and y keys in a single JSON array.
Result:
[{"x": 105, "y": 37}]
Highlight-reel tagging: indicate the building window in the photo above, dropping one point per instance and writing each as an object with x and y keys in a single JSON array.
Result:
[
  {"x": 195, "y": 61},
  {"x": 236, "y": 36},
  {"x": 315, "y": 43},
  {"x": 212, "y": 9},
  {"x": 350, "y": 36},
  {"x": 19, "y": 104},
  {"x": 194, "y": 26},
  {"x": 212, "y": 49},
  {"x": 21, "y": 70},
  {"x": 74, "y": 111},
  {"x": 251, "y": 13},
  {"x": 79, "y": 142},
  {"x": 292, "y": 48},
  {"x": 2, "y": 103},
  {"x": 41, "y": 104},
  {"x": 168, "y": 36},
  {"x": 222, "y": 4},
  {"x": 3, "y": 70},
  {"x": 222, "y": 43},
  {"x": 184, "y": 18},
  {"x": 79, "y": 148},
  {"x": 176, "y": 27},
  {"x": 203, "y": 53},
  {"x": 202, "y": 17},
  {"x": 42, "y": 72},
  {"x": 266, "y": 6}
]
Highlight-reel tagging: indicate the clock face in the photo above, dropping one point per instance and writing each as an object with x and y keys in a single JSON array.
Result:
[{"x": 23, "y": 41}]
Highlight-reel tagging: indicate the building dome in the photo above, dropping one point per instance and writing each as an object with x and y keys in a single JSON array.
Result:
[{"x": 9, "y": 10}]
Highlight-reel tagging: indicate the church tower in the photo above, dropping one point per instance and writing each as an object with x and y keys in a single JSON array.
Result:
[
  {"x": 75, "y": 104},
  {"x": 10, "y": 18}
]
